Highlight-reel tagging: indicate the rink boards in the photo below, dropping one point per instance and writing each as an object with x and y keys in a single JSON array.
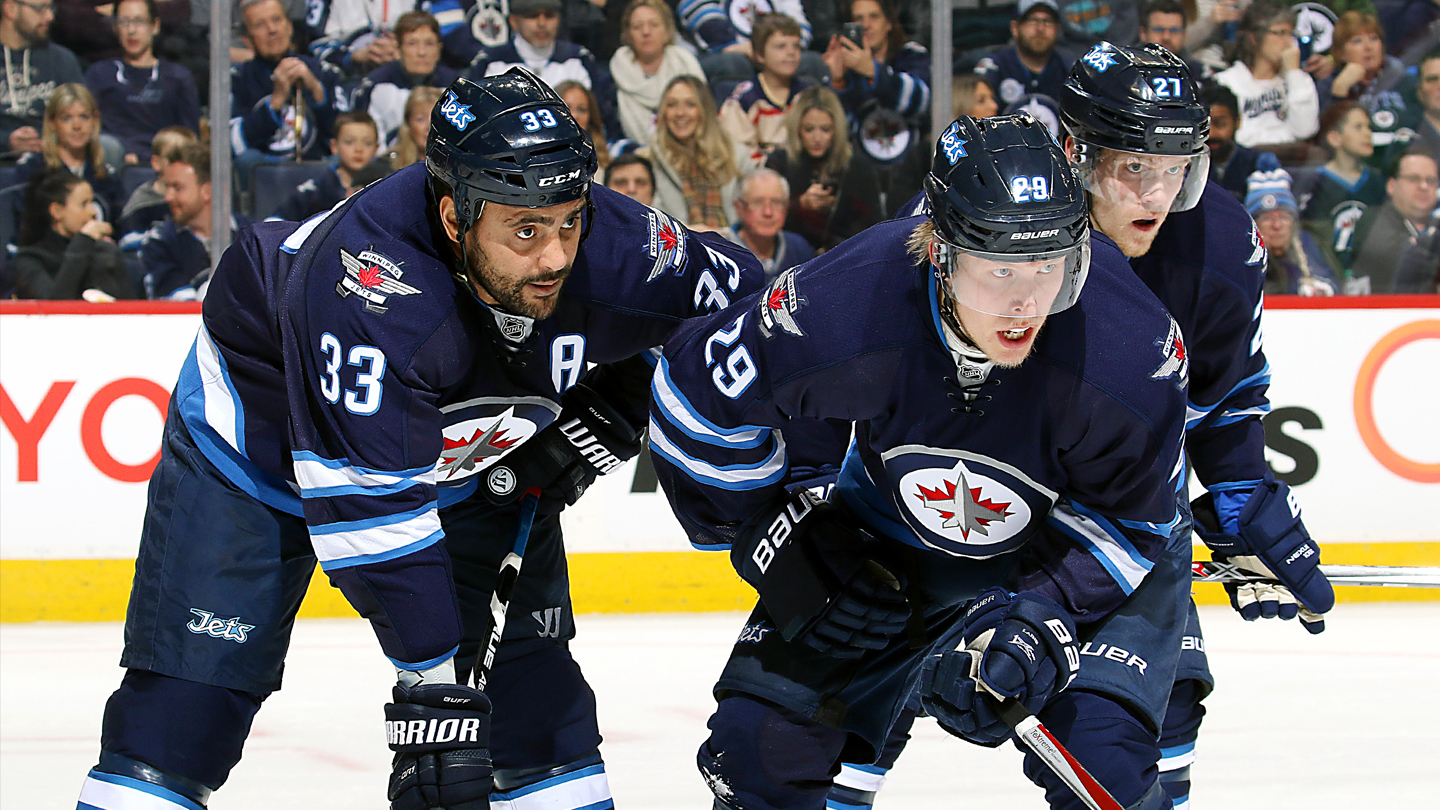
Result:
[{"x": 83, "y": 391}]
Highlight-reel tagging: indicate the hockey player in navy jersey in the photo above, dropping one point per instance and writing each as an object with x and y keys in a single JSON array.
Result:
[
  {"x": 375, "y": 389},
  {"x": 1133, "y": 117},
  {"x": 1012, "y": 483}
]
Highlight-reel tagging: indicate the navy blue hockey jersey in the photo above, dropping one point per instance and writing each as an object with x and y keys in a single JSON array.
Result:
[
  {"x": 1075, "y": 458},
  {"x": 343, "y": 374},
  {"x": 1207, "y": 266}
]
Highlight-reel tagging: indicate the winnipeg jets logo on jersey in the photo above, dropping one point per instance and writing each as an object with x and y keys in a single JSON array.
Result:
[
  {"x": 1177, "y": 361},
  {"x": 667, "y": 245},
  {"x": 778, "y": 306},
  {"x": 227, "y": 629},
  {"x": 964, "y": 503},
  {"x": 1258, "y": 255},
  {"x": 961, "y": 506},
  {"x": 373, "y": 277},
  {"x": 480, "y": 432}
]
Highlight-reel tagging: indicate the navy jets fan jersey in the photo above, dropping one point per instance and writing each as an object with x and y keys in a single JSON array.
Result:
[
  {"x": 344, "y": 375},
  {"x": 1207, "y": 265},
  {"x": 1077, "y": 450}
]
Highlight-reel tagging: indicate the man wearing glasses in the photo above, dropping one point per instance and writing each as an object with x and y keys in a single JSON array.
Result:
[
  {"x": 34, "y": 67},
  {"x": 1029, "y": 65},
  {"x": 762, "y": 205},
  {"x": 1398, "y": 240},
  {"x": 1163, "y": 23}
]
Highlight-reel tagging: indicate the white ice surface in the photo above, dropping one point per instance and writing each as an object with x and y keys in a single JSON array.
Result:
[{"x": 1349, "y": 719}]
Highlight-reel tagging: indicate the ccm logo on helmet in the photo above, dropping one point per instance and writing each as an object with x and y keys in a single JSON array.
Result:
[
  {"x": 1034, "y": 234},
  {"x": 559, "y": 178},
  {"x": 1173, "y": 130}
]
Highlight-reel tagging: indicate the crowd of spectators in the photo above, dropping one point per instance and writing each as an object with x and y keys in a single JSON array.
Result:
[{"x": 786, "y": 125}]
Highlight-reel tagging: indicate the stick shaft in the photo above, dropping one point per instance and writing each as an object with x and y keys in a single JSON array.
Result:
[
  {"x": 1376, "y": 575},
  {"x": 505, "y": 586},
  {"x": 1034, "y": 736}
]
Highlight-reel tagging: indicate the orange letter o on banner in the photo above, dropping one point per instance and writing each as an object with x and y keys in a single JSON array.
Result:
[
  {"x": 1364, "y": 406},
  {"x": 94, "y": 417}
]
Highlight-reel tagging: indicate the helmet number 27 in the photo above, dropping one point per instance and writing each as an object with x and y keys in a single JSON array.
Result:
[{"x": 1166, "y": 86}]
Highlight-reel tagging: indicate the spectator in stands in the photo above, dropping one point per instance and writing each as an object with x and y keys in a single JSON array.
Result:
[
  {"x": 645, "y": 65},
  {"x": 585, "y": 108},
  {"x": 1363, "y": 73},
  {"x": 754, "y": 114},
  {"x": 1278, "y": 103},
  {"x": 764, "y": 198},
  {"x": 356, "y": 142},
  {"x": 357, "y": 36},
  {"x": 534, "y": 47},
  {"x": 723, "y": 31},
  {"x": 138, "y": 94},
  {"x": 146, "y": 205},
  {"x": 696, "y": 180},
  {"x": 70, "y": 139},
  {"x": 386, "y": 90},
  {"x": 1345, "y": 186},
  {"x": 1163, "y": 23},
  {"x": 1296, "y": 264},
  {"x": 88, "y": 29},
  {"x": 1400, "y": 233},
  {"x": 1085, "y": 23},
  {"x": 1230, "y": 164},
  {"x": 34, "y": 67},
  {"x": 1029, "y": 64},
  {"x": 632, "y": 176},
  {"x": 834, "y": 194},
  {"x": 973, "y": 96},
  {"x": 884, "y": 86},
  {"x": 409, "y": 146},
  {"x": 176, "y": 253},
  {"x": 65, "y": 251},
  {"x": 1427, "y": 128},
  {"x": 265, "y": 124}
]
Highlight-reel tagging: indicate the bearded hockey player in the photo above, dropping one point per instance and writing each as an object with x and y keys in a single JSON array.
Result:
[
  {"x": 374, "y": 389},
  {"x": 1012, "y": 484}
]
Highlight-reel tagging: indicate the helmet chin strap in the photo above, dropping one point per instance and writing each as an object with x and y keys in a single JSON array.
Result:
[
  {"x": 512, "y": 329},
  {"x": 972, "y": 364}
]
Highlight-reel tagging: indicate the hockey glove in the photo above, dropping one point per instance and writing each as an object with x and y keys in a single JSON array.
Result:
[
  {"x": 589, "y": 438},
  {"x": 1267, "y": 537},
  {"x": 806, "y": 561},
  {"x": 1020, "y": 647},
  {"x": 440, "y": 734}
]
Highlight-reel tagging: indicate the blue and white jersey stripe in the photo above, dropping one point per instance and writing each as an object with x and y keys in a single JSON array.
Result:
[
  {"x": 732, "y": 477},
  {"x": 108, "y": 791},
  {"x": 868, "y": 778},
  {"x": 1172, "y": 759},
  {"x": 357, "y": 542},
  {"x": 585, "y": 789},
  {"x": 1195, "y": 414},
  {"x": 328, "y": 478},
  {"x": 680, "y": 413},
  {"x": 1104, "y": 542}
]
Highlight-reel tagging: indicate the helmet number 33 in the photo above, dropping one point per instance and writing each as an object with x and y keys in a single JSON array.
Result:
[{"x": 533, "y": 121}]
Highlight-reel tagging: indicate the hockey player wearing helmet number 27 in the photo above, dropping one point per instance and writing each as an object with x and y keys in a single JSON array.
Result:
[
  {"x": 1012, "y": 479},
  {"x": 1137, "y": 131},
  {"x": 374, "y": 389}
]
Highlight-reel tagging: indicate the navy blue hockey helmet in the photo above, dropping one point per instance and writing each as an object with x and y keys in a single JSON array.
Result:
[
  {"x": 1141, "y": 100},
  {"x": 1011, "y": 216},
  {"x": 507, "y": 139}
]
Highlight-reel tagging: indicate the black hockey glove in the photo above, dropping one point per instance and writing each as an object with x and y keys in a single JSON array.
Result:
[
  {"x": 806, "y": 561},
  {"x": 1267, "y": 537},
  {"x": 440, "y": 734},
  {"x": 589, "y": 438},
  {"x": 1020, "y": 647}
]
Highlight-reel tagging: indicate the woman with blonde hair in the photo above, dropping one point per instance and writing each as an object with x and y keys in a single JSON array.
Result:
[
  {"x": 696, "y": 180},
  {"x": 645, "y": 66},
  {"x": 834, "y": 194},
  {"x": 586, "y": 109},
  {"x": 70, "y": 139},
  {"x": 973, "y": 96},
  {"x": 410, "y": 141}
]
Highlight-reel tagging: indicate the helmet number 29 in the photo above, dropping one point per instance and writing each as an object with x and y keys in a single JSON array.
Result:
[
  {"x": 533, "y": 121},
  {"x": 1166, "y": 86},
  {"x": 1025, "y": 189}
]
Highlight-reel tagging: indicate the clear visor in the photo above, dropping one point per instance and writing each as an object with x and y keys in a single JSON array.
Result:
[
  {"x": 1018, "y": 285},
  {"x": 1153, "y": 183}
]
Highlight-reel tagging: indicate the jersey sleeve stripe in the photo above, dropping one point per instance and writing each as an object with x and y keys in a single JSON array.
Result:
[
  {"x": 380, "y": 489},
  {"x": 335, "y": 555},
  {"x": 1231, "y": 417},
  {"x": 734, "y": 477},
  {"x": 1195, "y": 414},
  {"x": 315, "y": 473},
  {"x": 424, "y": 665},
  {"x": 340, "y": 527},
  {"x": 680, "y": 413},
  {"x": 580, "y": 788},
  {"x": 104, "y": 790},
  {"x": 1109, "y": 547},
  {"x": 221, "y": 406}
]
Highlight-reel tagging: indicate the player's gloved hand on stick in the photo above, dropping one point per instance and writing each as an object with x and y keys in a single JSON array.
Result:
[
  {"x": 589, "y": 438},
  {"x": 1020, "y": 646},
  {"x": 1260, "y": 531},
  {"x": 440, "y": 734},
  {"x": 806, "y": 560}
]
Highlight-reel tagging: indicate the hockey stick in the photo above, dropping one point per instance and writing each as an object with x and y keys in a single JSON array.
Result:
[
  {"x": 1033, "y": 735},
  {"x": 1379, "y": 575},
  {"x": 505, "y": 584}
]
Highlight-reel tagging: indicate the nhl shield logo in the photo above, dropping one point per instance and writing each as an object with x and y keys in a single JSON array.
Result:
[
  {"x": 372, "y": 277},
  {"x": 778, "y": 306}
]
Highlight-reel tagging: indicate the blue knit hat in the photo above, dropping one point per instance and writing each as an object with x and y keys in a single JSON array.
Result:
[{"x": 1270, "y": 191}]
